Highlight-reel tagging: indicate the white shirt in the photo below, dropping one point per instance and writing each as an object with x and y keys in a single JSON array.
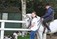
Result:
[
  {"x": 16, "y": 35},
  {"x": 7, "y": 37},
  {"x": 35, "y": 27}
]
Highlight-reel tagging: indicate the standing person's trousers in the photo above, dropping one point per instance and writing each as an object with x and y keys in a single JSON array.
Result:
[{"x": 32, "y": 34}]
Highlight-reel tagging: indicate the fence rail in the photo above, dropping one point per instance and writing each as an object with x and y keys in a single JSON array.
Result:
[
  {"x": 11, "y": 29},
  {"x": 14, "y": 29},
  {"x": 12, "y": 21}
]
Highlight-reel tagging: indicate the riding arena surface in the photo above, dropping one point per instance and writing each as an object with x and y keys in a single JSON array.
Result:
[{"x": 51, "y": 36}]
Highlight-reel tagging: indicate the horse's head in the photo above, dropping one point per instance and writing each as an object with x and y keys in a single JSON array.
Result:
[{"x": 27, "y": 19}]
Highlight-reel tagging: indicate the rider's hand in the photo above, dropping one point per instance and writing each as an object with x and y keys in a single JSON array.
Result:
[{"x": 41, "y": 19}]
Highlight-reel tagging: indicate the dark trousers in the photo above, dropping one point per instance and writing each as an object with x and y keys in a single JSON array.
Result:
[{"x": 45, "y": 21}]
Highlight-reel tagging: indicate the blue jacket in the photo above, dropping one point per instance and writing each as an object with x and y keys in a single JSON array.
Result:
[{"x": 49, "y": 13}]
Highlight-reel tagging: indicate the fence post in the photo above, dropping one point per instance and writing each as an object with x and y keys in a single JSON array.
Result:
[
  {"x": 23, "y": 14},
  {"x": 2, "y": 30}
]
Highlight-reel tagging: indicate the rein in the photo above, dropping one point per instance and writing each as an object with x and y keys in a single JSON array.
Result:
[{"x": 40, "y": 21}]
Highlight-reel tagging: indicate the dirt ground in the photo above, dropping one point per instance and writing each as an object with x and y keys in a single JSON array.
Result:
[{"x": 51, "y": 36}]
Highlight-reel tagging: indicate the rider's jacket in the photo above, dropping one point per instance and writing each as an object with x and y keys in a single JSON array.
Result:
[{"x": 49, "y": 13}]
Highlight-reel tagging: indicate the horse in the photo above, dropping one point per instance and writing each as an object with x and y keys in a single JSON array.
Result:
[{"x": 52, "y": 26}]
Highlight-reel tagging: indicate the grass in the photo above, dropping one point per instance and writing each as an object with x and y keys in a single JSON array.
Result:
[{"x": 26, "y": 37}]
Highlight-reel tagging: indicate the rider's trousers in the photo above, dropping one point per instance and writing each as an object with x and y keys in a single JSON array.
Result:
[{"x": 45, "y": 21}]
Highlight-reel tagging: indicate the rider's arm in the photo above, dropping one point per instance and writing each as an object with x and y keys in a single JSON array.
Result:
[{"x": 49, "y": 12}]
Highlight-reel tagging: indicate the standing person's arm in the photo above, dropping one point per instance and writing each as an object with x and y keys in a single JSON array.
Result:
[{"x": 32, "y": 25}]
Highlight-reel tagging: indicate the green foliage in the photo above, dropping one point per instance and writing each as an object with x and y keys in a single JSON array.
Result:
[
  {"x": 31, "y": 5},
  {"x": 7, "y": 5},
  {"x": 38, "y": 6},
  {"x": 26, "y": 37}
]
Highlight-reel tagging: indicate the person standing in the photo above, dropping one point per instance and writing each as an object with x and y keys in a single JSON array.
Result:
[
  {"x": 48, "y": 16},
  {"x": 15, "y": 35},
  {"x": 33, "y": 26}
]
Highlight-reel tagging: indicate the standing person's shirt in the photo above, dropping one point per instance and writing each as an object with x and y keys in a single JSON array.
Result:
[{"x": 34, "y": 21}]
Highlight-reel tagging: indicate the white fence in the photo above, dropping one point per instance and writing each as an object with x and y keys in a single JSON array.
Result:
[{"x": 11, "y": 29}]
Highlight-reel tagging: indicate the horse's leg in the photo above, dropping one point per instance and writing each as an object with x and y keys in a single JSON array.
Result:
[
  {"x": 40, "y": 35},
  {"x": 37, "y": 35},
  {"x": 44, "y": 36},
  {"x": 23, "y": 33}
]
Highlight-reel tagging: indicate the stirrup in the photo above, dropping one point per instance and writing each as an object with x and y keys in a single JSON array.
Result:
[{"x": 49, "y": 30}]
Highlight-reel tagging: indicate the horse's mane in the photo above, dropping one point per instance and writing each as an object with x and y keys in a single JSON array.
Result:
[{"x": 29, "y": 15}]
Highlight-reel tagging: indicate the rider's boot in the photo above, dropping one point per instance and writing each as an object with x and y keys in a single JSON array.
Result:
[{"x": 48, "y": 28}]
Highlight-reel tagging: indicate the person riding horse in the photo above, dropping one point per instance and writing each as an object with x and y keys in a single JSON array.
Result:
[{"x": 48, "y": 16}]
